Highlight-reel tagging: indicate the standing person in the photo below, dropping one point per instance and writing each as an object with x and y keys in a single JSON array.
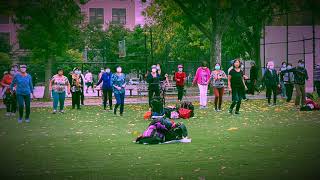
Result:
[
  {"x": 89, "y": 81},
  {"x": 283, "y": 87},
  {"x": 236, "y": 85},
  {"x": 153, "y": 79},
  {"x": 300, "y": 77},
  {"x": 76, "y": 88},
  {"x": 106, "y": 80},
  {"x": 288, "y": 79},
  {"x": 202, "y": 78},
  {"x": 218, "y": 77},
  {"x": 82, "y": 87},
  {"x": 271, "y": 81},
  {"x": 119, "y": 84},
  {"x": 317, "y": 78},
  {"x": 180, "y": 78},
  {"x": 24, "y": 88},
  {"x": 9, "y": 99},
  {"x": 58, "y": 90},
  {"x": 253, "y": 78}
]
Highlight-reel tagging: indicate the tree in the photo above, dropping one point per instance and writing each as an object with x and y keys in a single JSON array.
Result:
[
  {"x": 215, "y": 19},
  {"x": 47, "y": 28}
]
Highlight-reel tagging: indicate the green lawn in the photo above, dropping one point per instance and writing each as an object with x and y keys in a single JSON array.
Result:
[{"x": 264, "y": 143}]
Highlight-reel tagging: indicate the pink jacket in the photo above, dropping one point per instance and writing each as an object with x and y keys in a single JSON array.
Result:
[{"x": 202, "y": 76}]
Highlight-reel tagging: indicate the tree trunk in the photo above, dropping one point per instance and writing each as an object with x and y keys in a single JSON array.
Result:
[
  {"x": 215, "y": 53},
  {"x": 48, "y": 75}
]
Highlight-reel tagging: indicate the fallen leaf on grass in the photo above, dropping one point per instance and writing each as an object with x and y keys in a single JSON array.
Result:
[{"x": 233, "y": 129}]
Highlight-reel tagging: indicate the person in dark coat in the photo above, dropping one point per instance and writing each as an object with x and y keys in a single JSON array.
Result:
[{"x": 271, "y": 81}]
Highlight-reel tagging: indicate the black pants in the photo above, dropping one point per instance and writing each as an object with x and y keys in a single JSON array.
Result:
[
  {"x": 11, "y": 102},
  {"x": 152, "y": 93},
  {"x": 289, "y": 91},
  {"x": 24, "y": 100},
  {"x": 76, "y": 99},
  {"x": 317, "y": 84},
  {"x": 180, "y": 92},
  {"x": 237, "y": 96},
  {"x": 272, "y": 90},
  {"x": 82, "y": 97},
  {"x": 253, "y": 87},
  {"x": 107, "y": 95},
  {"x": 89, "y": 84}
]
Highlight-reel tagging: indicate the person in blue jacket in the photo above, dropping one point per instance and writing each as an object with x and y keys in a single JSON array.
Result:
[
  {"x": 106, "y": 80},
  {"x": 24, "y": 88}
]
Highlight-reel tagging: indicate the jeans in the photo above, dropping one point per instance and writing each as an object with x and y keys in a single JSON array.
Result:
[
  {"x": 76, "y": 99},
  {"x": 203, "y": 94},
  {"x": 237, "y": 96},
  {"x": 218, "y": 93},
  {"x": 300, "y": 94},
  {"x": 272, "y": 90},
  {"x": 152, "y": 93},
  {"x": 283, "y": 89},
  {"x": 120, "y": 102},
  {"x": 180, "y": 92},
  {"x": 23, "y": 100},
  {"x": 107, "y": 94},
  {"x": 58, "y": 97},
  {"x": 289, "y": 91}
]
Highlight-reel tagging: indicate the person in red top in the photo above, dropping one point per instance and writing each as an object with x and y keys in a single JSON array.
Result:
[
  {"x": 180, "y": 78},
  {"x": 9, "y": 99}
]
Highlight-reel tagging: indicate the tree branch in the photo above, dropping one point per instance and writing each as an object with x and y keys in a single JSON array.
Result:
[{"x": 200, "y": 26}]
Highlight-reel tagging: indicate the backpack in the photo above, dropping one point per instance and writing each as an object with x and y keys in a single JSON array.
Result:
[
  {"x": 176, "y": 133},
  {"x": 188, "y": 105},
  {"x": 184, "y": 113}
]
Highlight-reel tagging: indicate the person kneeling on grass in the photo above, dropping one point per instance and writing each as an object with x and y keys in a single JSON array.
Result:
[
  {"x": 58, "y": 90},
  {"x": 119, "y": 84},
  {"x": 236, "y": 86}
]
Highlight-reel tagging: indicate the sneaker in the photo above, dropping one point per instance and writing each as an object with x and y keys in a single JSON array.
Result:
[
  {"x": 27, "y": 120},
  {"x": 216, "y": 109},
  {"x": 246, "y": 99},
  {"x": 230, "y": 111},
  {"x": 201, "y": 107},
  {"x": 13, "y": 114},
  {"x": 219, "y": 110},
  {"x": 54, "y": 111},
  {"x": 269, "y": 104},
  {"x": 237, "y": 112},
  {"x": 205, "y": 107},
  {"x": 61, "y": 111},
  {"x": 274, "y": 104},
  {"x": 20, "y": 120},
  {"x": 8, "y": 113}
]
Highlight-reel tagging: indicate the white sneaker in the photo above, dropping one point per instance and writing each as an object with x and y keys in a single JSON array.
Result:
[
  {"x": 13, "y": 114},
  {"x": 54, "y": 111},
  {"x": 8, "y": 114}
]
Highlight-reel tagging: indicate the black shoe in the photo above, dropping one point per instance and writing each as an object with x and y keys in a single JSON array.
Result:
[
  {"x": 237, "y": 112},
  {"x": 115, "y": 112},
  {"x": 230, "y": 111},
  {"x": 121, "y": 114}
]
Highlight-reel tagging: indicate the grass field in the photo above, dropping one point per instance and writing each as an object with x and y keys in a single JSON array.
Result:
[{"x": 261, "y": 143}]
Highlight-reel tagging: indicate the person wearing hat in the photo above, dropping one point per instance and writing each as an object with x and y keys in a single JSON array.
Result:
[
  {"x": 24, "y": 87},
  {"x": 300, "y": 76},
  {"x": 153, "y": 79},
  {"x": 58, "y": 90},
  {"x": 180, "y": 78},
  {"x": 8, "y": 99},
  {"x": 119, "y": 85}
]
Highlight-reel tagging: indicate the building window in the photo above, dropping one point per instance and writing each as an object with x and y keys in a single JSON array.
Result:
[
  {"x": 4, "y": 19},
  {"x": 96, "y": 16},
  {"x": 119, "y": 16}
]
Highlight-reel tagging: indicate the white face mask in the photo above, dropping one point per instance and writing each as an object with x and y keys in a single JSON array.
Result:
[
  {"x": 158, "y": 67},
  {"x": 217, "y": 67},
  {"x": 23, "y": 69},
  {"x": 108, "y": 70},
  {"x": 12, "y": 72},
  {"x": 154, "y": 70},
  {"x": 284, "y": 65},
  {"x": 301, "y": 64},
  {"x": 119, "y": 70},
  {"x": 289, "y": 67},
  {"x": 180, "y": 69}
]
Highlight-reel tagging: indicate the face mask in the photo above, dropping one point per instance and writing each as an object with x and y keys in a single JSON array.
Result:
[
  {"x": 301, "y": 64},
  {"x": 101, "y": 70},
  {"x": 284, "y": 65},
  {"x": 108, "y": 70},
  {"x": 289, "y": 67},
  {"x": 119, "y": 70},
  {"x": 217, "y": 67},
  {"x": 158, "y": 67},
  {"x": 271, "y": 66},
  {"x": 154, "y": 70},
  {"x": 23, "y": 69},
  {"x": 12, "y": 72},
  {"x": 180, "y": 69},
  {"x": 77, "y": 72}
]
